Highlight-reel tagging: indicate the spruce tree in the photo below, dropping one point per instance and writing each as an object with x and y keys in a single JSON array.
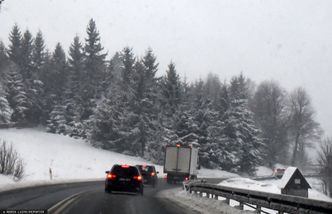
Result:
[
  {"x": 95, "y": 69},
  {"x": 38, "y": 55},
  {"x": 171, "y": 90},
  {"x": 14, "y": 49},
  {"x": 5, "y": 110},
  {"x": 17, "y": 95},
  {"x": 26, "y": 56},
  {"x": 94, "y": 61}
]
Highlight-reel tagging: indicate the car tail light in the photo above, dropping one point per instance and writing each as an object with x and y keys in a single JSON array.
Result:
[
  {"x": 125, "y": 166},
  {"x": 186, "y": 178},
  {"x": 153, "y": 174},
  {"x": 178, "y": 145},
  {"x": 110, "y": 176},
  {"x": 138, "y": 178}
]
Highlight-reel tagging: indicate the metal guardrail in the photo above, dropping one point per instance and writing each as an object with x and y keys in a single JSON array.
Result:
[{"x": 278, "y": 202}]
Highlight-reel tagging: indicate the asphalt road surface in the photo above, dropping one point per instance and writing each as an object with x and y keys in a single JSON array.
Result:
[{"x": 89, "y": 198}]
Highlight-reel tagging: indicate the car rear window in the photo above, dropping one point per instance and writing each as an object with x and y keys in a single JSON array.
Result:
[
  {"x": 145, "y": 169},
  {"x": 125, "y": 172}
]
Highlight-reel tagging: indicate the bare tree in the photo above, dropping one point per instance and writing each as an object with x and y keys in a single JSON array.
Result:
[
  {"x": 325, "y": 165},
  {"x": 304, "y": 130},
  {"x": 268, "y": 105},
  {"x": 10, "y": 162}
]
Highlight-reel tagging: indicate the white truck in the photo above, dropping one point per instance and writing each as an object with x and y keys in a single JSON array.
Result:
[{"x": 181, "y": 163}]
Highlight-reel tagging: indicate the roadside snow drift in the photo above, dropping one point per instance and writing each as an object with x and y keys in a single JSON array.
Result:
[
  {"x": 272, "y": 186},
  {"x": 68, "y": 158}
]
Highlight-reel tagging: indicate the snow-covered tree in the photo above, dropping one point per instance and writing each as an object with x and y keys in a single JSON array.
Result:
[
  {"x": 14, "y": 48},
  {"x": 26, "y": 56},
  {"x": 5, "y": 110},
  {"x": 16, "y": 94},
  {"x": 242, "y": 137},
  {"x": 171, "y": 90},
  {"x": 39, "y": 56},
  {"x": 57, "y": 122},
  {"x": 95, "y": 67}
]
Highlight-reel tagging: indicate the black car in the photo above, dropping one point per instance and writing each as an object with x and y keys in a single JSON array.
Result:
[
  {"x": 149, "y": 174},
  {"x": 124, "y": 178}
]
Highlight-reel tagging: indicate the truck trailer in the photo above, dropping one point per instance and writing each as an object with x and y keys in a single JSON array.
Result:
[{"x": 181, "y": 163}]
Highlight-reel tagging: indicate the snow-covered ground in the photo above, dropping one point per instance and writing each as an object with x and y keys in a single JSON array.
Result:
[
  {"x": 74, "y": 159},
  {"x": 272, "y": 186},
  {"x": 198, "y": 204},
  {"x": 69, "y": 159}
]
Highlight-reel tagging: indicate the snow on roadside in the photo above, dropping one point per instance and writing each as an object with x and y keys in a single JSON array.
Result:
[
  {"x": 270, "y": 186},
  {"x": 67, "y": 157},
  {"x": 198, "y": 204},
  {"x": 263, "y": 171},
  {"x": 212, "y": 173},
  {"x": 70, "y": 159}
]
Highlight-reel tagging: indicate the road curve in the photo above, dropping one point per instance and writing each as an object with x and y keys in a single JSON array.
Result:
[{"x": 89, "y": 198}]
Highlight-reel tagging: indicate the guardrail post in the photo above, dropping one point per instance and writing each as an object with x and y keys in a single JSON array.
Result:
[
  {"x": 227, "y": 201},
  {"x": 258, "y": 209},
  {"x": 241, "y": 206}
]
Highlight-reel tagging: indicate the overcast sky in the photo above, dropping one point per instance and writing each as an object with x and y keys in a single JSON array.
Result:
[{"x": 286, "y": 40}]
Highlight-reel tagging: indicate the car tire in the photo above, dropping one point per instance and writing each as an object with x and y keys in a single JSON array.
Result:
[
  {"x": 141, "y": 192},
  {"x": 107, "y": 190}
]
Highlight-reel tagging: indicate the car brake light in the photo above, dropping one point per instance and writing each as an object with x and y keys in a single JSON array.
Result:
[
  {"x": 153, "y": 174},
  {"x": 186, "y": 178},
  {"x": 111, "y": 176},
  {"x": 139, "y": 178},
  {"x": 125, "y": 166},
  {"x": 178, "y": 145}
]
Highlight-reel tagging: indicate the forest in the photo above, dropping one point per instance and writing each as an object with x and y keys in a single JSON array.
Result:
[{"x": 120, "y": 103}]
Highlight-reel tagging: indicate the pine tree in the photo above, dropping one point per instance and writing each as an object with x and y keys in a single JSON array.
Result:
[
  {"x": 57, "y": 121},
  {"x": 26, "y": 55},
  {"x": 73, "y": 92},
  {"x": 5, "y": 110},
  {"x": 38, "y": 55},
  {"x": 95, "y": 69},
  {"x": 106, "y": 125},
  {"x": 4, "y": 64},
  {"x": 14, "y": 49},
  {"x": 16, "y": 95},
  {"x": 171, "y": 90},
  {"x": 94, "y": 61},
  {"x": 55, "y": 77}
]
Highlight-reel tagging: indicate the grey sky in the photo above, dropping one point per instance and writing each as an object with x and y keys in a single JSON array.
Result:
[{"x": 286, "y": 40}]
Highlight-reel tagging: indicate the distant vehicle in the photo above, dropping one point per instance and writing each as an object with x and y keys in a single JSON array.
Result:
[
  {"x": 181, "y": 163},
  {"x": 279, "y": 172},
  {"x": 149, "y": 174},
  {"x": 124, "y": 178}
]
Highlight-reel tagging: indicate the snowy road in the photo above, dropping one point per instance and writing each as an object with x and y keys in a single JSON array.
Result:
[{"x": 89, "y": 197}]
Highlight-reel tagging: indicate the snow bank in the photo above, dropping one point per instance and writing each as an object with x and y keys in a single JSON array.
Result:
[
  {"x": 196, "y": 203},
  {"x": 263, "y": 171},
  {"x": 270, "y": 186},
  {"x": 212, "y": 173},
  {"x": 68, "y": 158}
]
